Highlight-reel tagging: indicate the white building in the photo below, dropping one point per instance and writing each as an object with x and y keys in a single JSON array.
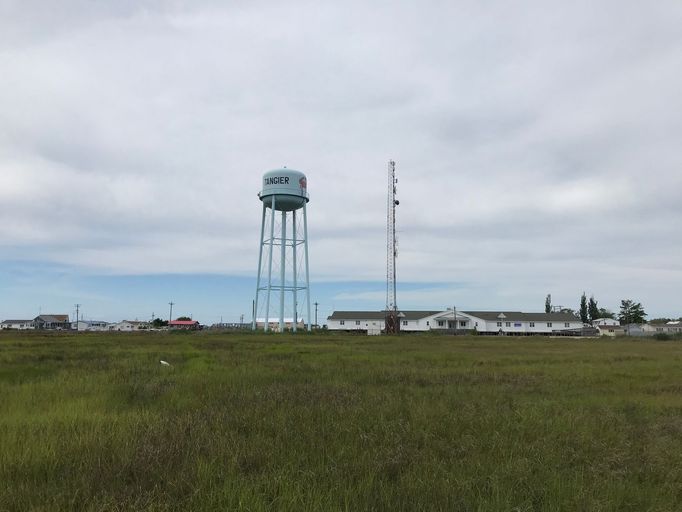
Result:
[
  {"x": 671, "y": 328},
  {"x": 605, "y": 321},
  {"x": 611, "y": 330},
  {"x": 90, "y": 325},
  {"x": 129, "y": 325},
  {"x": 273, "y": 323},
  {"x": 641, "y": 329},
  {"x": 484, "y": 322},
  {"x": 20, "y": 325}
]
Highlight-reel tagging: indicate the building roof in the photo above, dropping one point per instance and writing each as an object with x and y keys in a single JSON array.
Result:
[
  {"x": 379, "y": 315},
  {"x": 183, "y": 322},
  {"x": 493, "y": 316},
  {"x": 17, "y": 321},
  {"x": 53, "y": 318},
  {"x": 511, "y": 316}
]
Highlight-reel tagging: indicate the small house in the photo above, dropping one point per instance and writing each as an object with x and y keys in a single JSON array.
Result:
[{"x": 19, "y": 325}]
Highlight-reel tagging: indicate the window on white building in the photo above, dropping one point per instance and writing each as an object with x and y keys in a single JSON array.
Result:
[
  {"x": 507, "y": 324},
  {"x": 462, "y": 323},
  {"x": 532, "y": 324},
  {"x": 427, "y": 322},
  {"x": 567, "y": 324},
  {"x": 499, "y": 324},
  {"x": 441, "y": 323},
  {"x": 549, "y": 324},
  {"x": 342, "y": 322},
  {"x": 357, "y": 322},
  {"x": 404, "y": 322}
]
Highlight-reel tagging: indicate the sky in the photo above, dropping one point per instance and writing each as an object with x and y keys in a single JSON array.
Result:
[{"x": 538, "y": 148}]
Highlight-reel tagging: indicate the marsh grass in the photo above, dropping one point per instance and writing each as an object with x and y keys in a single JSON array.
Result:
[{"x": 325, "y": 422}]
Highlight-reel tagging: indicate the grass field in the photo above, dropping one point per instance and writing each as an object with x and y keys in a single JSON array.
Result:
[{"x": 324, "y": 422}]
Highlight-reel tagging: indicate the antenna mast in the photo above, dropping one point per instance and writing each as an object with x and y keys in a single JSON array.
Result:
[{"x": 392, "y": 324}]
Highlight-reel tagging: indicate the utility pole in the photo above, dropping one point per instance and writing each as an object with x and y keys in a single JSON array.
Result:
[
  {"x": 170, "y": 314},
  {"x": 316, "y": 304},
  {"x": 77, "y": 311},
  {"x": 454, "y": 314}
]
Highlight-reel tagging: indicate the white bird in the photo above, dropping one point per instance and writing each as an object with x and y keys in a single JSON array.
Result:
[{"x": 165, "y": 363}]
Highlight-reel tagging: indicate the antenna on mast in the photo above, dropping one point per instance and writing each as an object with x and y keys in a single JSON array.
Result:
[{"x": 392, "y": 321}]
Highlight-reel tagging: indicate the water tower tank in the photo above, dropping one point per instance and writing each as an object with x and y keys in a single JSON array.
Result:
[{"x": 289, "y": 188}]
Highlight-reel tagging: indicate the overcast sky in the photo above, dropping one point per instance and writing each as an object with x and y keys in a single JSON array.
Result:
[{"x": 538, "y": 148}]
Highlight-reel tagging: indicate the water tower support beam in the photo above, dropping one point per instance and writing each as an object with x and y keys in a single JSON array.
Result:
[
  {"x": 293, "y": 248},
  {"x": 307, "y": 268},
  {"x": 272, "y": 239},
  {"x": 282, "y": 270},
  {"x": 260, "y": 262}
]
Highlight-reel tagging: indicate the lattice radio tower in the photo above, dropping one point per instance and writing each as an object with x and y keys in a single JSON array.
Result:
[{"x": 392, "y": 317}]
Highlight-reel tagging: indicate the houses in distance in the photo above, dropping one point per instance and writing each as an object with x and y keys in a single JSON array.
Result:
[
  {"x": 41, "y": 322},
  {"x": 62, "y": 323},
  {"x": 498, "y": 323}
]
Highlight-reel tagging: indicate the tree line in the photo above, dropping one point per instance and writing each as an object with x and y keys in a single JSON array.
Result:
[{"x": 631, "y": 312}]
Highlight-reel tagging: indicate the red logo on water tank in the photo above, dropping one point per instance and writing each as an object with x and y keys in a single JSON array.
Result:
[{"x": 303, "y": 183}]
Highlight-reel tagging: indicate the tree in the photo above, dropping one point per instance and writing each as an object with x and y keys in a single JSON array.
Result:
[
  {"x": 583, "y": 308},
  {"x": 593, "y": 309},
  {"x": 158, "y": 323},
  {"x": 183, "y": 318},
  {"x": 548, "y": 303},
  {"x": 631, "y": 312},
  {"x": 605, "y": 313}
]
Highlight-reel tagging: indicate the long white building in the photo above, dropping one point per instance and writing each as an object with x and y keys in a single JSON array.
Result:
[
  {"x": 484, "y": 322},
  {"x": 20, "y": 325}
]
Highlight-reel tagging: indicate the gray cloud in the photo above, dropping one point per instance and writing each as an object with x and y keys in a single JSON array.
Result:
[{"x": 537, "y": 144}]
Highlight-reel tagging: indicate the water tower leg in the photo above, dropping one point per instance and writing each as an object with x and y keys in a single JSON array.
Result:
[
  {"x": 293, "y": 249},
  {"x": 307, "y": 268},
  {"x": 260, "y": 263},
  {"x": 272, "y": 238},
  {"x": 282, "y": 271}
]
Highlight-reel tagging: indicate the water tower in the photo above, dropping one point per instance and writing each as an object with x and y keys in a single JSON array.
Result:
[{"x": 284, "y": 193}]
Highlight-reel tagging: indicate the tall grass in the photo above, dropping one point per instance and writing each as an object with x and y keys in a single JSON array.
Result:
[{"x": 324, "y": 422}]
